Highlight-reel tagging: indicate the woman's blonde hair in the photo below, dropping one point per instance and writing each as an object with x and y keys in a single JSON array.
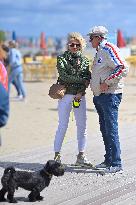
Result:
[{"x": 79, "y": 37}]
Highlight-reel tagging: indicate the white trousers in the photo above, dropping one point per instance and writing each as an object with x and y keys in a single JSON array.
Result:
[{"x": 64, "y": 109}]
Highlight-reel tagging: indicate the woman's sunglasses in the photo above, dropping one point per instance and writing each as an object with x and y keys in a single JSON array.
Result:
[{"x": 75, "y": 44}]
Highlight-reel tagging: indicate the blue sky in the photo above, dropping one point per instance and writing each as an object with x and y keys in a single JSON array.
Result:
[{"x": 58, "y": 17}]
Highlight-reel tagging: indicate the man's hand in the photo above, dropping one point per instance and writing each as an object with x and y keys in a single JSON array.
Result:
[
  {"x": 103, "y": 87},
  {"x": 78, "y": 96}
]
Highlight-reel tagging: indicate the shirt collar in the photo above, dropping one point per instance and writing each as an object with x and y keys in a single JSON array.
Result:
[{"x": 103, "y": 43}]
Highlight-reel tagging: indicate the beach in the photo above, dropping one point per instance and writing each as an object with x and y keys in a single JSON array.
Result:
[
  {"x": 27, "y": 144},
  {"x": 33, "y": 123}
]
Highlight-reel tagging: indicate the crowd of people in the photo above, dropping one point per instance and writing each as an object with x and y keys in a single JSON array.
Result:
[
  {"x": 11, "y": 71},
  {"x": 106, "y": 79}
]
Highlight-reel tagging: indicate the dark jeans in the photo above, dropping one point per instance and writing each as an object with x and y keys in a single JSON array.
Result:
[
  {"x": 4, "y": 106},
  {"x": 107, "y": 108}
]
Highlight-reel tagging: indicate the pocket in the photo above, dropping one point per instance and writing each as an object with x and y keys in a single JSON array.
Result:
[{"x": 117, "y": 99}]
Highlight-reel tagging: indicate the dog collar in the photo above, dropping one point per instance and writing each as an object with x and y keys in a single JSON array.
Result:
[{"x": 50, "y": 175}]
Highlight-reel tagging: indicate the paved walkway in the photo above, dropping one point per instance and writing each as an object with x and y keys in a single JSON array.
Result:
[{"x": 82, "y": 188}]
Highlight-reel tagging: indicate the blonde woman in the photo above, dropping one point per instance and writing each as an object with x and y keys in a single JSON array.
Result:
[{"x": 73, "y": 70}]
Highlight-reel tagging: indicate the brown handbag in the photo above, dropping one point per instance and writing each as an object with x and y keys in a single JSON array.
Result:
[{"x": 57, "y": 91}]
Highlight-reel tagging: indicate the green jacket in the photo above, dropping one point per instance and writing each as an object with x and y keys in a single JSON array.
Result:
[{"x": 73, "y": 72}]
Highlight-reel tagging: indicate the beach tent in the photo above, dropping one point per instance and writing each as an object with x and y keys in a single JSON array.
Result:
[{"x": 120, "y": 39}]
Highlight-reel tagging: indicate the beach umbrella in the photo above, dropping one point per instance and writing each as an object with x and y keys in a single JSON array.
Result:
[
  {"x": 43, "y": 43},
  {"x": 14, "y": 37},
  {"x": 120, "y": 39}
]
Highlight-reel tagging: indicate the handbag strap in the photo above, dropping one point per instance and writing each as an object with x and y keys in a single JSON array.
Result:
[{"x": 57, "y": 81}]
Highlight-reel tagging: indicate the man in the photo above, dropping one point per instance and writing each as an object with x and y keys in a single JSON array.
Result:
[
  {"x": 108, "y": 71},
  {"x": 16, "y": 70}
]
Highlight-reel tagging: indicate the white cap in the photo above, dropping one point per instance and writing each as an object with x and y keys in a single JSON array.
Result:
[{"x": 98, "y": 31}]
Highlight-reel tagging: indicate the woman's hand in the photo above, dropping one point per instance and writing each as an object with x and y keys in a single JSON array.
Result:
[
  {"x": 87, "y": 82},
  {"x": 78, "y": 96}
]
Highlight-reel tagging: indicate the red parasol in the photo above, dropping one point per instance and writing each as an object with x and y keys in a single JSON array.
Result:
[
  {"x": 43, "y": 43},
  {"x": 120, "y": 39}
]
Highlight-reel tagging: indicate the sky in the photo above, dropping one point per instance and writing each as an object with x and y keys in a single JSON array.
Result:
[{"x": 59, "y": 17}]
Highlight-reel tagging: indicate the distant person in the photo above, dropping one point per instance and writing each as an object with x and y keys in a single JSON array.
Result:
[
  {"x": 73, "y": 70},
  {"x": 6, "y": 64},
  {"x": 4, "y": 97},
  {"x": 108, "y": 72},
  {"x": 16, "y": 70}
]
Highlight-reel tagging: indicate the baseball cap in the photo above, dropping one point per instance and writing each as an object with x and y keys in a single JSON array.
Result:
[{"x": 98, "y": 31}]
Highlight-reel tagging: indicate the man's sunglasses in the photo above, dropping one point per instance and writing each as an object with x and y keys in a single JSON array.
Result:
[
  {"x": 75, "y": 44},
  {"x": 91, "y": 38}
]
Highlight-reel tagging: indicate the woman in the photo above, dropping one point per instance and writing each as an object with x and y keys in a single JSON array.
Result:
[
  {"x": 73, "y": 69},
  {"x": 6, "y": 64},
  {"x": 4, "y": 98}
]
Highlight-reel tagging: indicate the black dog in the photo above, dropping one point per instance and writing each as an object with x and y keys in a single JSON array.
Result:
[{"x": 32, "y": 181}]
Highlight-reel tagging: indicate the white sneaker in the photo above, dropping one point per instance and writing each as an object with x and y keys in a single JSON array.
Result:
[
  {"x": 18, "y": 97},
  {"x": 21, "y": 98},
  {"x": 82, "y": 160},
  {"x": 114, "y": 169}
]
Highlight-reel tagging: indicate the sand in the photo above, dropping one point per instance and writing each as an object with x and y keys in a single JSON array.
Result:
[
  {"x": 27, "y": 143},
  {"x": 32, "y": 124}
]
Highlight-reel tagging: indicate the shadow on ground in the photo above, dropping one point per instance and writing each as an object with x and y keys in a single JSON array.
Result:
[
  {"x": 23, "y": 166},
  {"x": 38, "y": 166}
]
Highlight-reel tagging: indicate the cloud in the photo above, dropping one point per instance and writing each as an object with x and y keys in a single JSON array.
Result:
[
  {"x": 10, "y": 20},
  {"x": 57, "y": 17}
]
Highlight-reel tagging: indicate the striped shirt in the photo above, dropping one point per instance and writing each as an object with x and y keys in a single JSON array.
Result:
[{"x": 109, "y": 67}]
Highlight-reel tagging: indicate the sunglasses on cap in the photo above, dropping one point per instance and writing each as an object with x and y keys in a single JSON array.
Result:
[{"x": 75, "y": 44}]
